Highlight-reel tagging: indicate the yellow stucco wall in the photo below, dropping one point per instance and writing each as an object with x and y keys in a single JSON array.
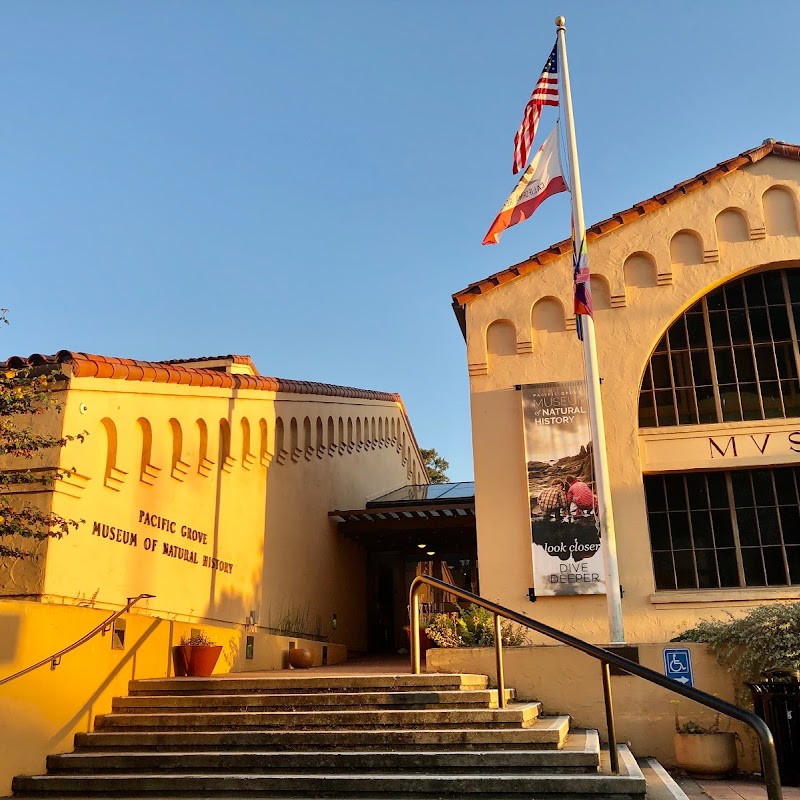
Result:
[
  {"x": 645, "y": 274},
  {"x": 254, "y": 479}
]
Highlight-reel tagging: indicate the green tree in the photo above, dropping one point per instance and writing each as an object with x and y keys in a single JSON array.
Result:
[
  {"x": 26, "y": 463},
  {"x": 435, "y": 466}
]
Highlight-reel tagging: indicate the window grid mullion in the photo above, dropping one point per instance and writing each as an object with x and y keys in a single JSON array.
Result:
[
  {"x": 712, "y": 360},
  {"x": 735, "y": 525}
]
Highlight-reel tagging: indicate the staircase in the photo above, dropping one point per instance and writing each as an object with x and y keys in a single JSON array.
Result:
[{"x": 309, "y": 736}]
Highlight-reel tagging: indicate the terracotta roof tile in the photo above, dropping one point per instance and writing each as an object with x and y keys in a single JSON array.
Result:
[
  {"x": 86, "y": 365},
  {"x": 623, "y": 217}
]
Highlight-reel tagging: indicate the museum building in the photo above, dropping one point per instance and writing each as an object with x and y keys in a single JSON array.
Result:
[{"x": 697, "y": 309}]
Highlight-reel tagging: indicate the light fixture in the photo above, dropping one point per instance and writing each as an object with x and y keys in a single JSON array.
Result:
[
  {"x": 421, "y": 546},
  {"x": 431, "y": 552}
]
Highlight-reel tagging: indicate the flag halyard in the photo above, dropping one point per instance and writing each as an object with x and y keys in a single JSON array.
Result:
[{"x": 545, "y": 93}]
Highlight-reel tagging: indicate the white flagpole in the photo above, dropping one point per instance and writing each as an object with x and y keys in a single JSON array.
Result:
[{"x": 608, "y": 538}]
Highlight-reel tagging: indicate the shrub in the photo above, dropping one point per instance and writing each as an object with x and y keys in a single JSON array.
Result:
[
  {"x": 768, "y": 637},
  {"x": 473, "y": 627},
  {"x": 198, "y": 639}
]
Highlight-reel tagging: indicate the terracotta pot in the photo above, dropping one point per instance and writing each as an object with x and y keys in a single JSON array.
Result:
[
  {"x": 706, "y": 755},
  {"x": 301, "y": 658},
  {"x": 195, "y": 660},
  {"x": 425, "y": 642}
]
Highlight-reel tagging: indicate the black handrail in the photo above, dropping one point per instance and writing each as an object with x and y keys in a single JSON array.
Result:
[
  {"x": 55, "y": 659},
  {"x": 766, "y": 743}
]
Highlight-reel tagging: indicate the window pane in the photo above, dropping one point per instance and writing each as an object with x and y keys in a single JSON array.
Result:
[
  {"x": 738, "y": 323},
  {"x": 771, "y": 399},
  {"x": 701, "y": 367},
  {"x": 647, "y": 379},
  {"x": 774, "y": 286},
  {"x": 665, "y": 407},
  {"x": 661, "y": 347},
  {"x": 793, "y": 557},
  {"x": 717, "y": 490},
  {"x": 791, "y": 398},
  {"x": 759, "y": 325},
  {"x": 723, "y": 359},
  {"x": 687, "y": 410},
  {"x": 768, "y": 526},
  {"x": 659, "y": 532},
  {"x": 742, "y": 489},
  {"x": 661, "y": 376},
  {"x": 745, "y": 368},
  {"x": 773, "y": 562},
  {"x": 723, "y": 529},
  {"x": 679, "y": 528},
  {"x": 676, "y": 499},
  {"x": 728, "y": 569},
  {"x": 779, "y": 320},
  {"x": 784, "y": 487},
  {"x": 719, "y": 328},
  {"x": 762, "y": 486},
  {"x": 716, "y": 300},
  {"x": 729, "y": 399},
  {"x": 790, "y": 524},
  {"x": 753, "y": 567},
  {"x": 754, "y": 290},
  {"x": 706, "y": 404},
  {"x": 654, "y": 493},
  {"x": 793, "y": 279},
  {"x": 701, "y": 529},
  {"x": 698, "y": 493},
  {"x": 696, "y": 328},
  {"x": 677, "y": 335},
  {"x": 647, "y": 410},
  {"x": 751, "y": 403},
  {"x": 681, "y": 369},
  {"x": 748, "y": 527},
  {"x": 765, "y": 360},
  {"x": 734, "y": 295},
  {"x": 684, "y": 569},
  {"x": 706, "y": 569},
  {"x": 663, "y": 569},
  {"x": 787, "y": 367}
]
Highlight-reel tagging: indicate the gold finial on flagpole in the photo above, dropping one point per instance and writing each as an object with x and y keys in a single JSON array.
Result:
[{"x": 560, "y": 22}]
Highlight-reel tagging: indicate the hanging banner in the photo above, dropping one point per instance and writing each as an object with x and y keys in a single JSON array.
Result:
[{"x": 565, "y": 529}]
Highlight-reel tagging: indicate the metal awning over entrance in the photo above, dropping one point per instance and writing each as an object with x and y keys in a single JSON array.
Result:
[{"x": 437, "y": 517}]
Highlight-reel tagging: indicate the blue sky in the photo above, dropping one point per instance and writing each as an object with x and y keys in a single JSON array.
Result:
[{"x": 309, "y": 181}]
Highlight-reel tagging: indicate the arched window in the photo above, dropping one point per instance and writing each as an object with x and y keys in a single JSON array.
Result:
[{"x": 729, "y": 357}]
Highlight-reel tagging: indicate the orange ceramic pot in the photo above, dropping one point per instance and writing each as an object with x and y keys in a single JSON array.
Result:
[
  {"x": 301, "y": 658},
  {"x": 195, "y": 660}
]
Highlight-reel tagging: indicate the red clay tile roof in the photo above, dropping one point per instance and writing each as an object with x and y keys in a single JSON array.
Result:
[
  {"x": 232, "y": 357},
  {"x": 85, "y": 365},
  {"x": 769, "y": 147}
]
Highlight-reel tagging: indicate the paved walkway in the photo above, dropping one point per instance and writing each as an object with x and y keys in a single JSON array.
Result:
[{"x": 738, "y": 789}]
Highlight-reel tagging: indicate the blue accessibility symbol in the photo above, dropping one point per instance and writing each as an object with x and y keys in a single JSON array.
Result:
[{"x": 678, "y": 665}]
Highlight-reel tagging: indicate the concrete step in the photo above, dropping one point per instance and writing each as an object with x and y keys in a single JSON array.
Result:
[
  {"x": 628, "y": 785},
  {"x": 579, "y": 756},
  {"x": 515, "y": 714},
  {"x": 417, "y": 698},
  {"x": 240, "y": 683},
  {"x": 660, "y": 784},
  {"x": 548, "y": 732}
]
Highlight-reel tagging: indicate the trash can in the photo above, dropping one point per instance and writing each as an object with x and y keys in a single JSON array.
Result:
[{"x": 777, "y": 702}]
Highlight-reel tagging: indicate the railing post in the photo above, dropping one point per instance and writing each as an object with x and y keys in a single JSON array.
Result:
[
  {"x": 612, "y": 731},
  {"x": 498, "y": 651},
  {"x": 416, "y": 667}
]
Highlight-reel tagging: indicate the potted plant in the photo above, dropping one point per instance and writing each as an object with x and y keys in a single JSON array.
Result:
[
  {"x": 703, "y": 751},
  {"x": 195, "y": 656}
]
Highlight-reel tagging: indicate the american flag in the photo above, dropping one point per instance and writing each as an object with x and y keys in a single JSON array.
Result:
[{"x": 545, "y": 93}]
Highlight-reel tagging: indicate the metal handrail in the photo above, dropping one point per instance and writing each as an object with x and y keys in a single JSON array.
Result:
[
  {"x": 55, "y": 659},
  {"x": 606, "y": 658}
]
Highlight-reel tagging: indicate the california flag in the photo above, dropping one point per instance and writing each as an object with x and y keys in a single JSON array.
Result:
[{"x": 542, "y": 178}]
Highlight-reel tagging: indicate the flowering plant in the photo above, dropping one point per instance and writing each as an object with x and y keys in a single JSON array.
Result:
[
  {"x": 691, "y": 726},
  {"x": 198, "y": 639}
]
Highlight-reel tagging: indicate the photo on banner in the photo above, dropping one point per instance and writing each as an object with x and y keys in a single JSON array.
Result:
[{"x": 565, "y": 529}]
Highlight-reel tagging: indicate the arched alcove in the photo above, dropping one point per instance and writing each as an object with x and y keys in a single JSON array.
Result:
[
  {"x": 204, "y": 463},
  {"x": 639, "y": 271},
  {"x": 359, "y": 434},
  {"x": 146, "y": 474},
  {"x": 308, "y": 443},
  {"x": 501, "y": 339},
  {"x": 225, "y": 457},
  {"x": 112, "y": 477},
  {"x": 280, "y": 440},
  {"x": 331, "y": 436},
  {"x": 732, "y": 226},
  {"x": 548, "y": 315},
  {"x": 247, "y": 455},
  {"x": 780, "y": 211},
  {"x": 686, "y": 248},
  {"x": 342, "y": 439},
  {"x": 601, "y": 292},
  {"x": 263, "y": 448},
  {"x": 294, "y": 439},
  {"x": 350, "y": 439}
]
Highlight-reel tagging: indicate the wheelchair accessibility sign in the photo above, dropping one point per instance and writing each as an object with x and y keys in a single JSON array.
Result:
[{"x": 678, "y": 665}]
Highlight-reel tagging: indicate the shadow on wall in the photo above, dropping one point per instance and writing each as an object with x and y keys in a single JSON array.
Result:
[{"x": 9, "y": 638}]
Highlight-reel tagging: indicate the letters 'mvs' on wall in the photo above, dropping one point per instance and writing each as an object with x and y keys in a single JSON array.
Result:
[
  {"x": 736, "y": 446},
  {"x": 165, "y": 548}
]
